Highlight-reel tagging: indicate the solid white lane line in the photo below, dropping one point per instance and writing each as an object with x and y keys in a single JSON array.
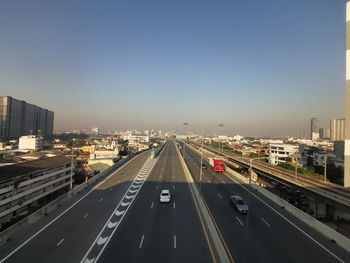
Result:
[
  {"x": 174, "y": 204},
  {"x": 143, "y": 236},
  {"x": 85, "y": 216},
  {"x": 265, "y": 221},
  {"x": 59, "y": 243},
  {"x": 174, "y": 241},
  {"x": 99, "y": 236},
  {"x": 220, "y": 195},
  {"x": 152, "y": 204},
  {"x": 239, "y": 220},
  {"x": 285, "y": 218}
]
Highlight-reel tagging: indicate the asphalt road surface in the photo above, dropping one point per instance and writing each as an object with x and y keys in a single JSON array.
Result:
[
  {"x": 145, "y": 229},
  {"x": 268, "y": 233}
]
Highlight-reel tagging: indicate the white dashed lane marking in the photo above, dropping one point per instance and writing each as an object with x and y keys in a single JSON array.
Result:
[
  {"x": 267, "y": 223},
  {"x": 239, "y": 220},
  {"x": 141, "y": 242},
  {"x": 59, "y": 243},
  {"x": 118, "y": 214}
]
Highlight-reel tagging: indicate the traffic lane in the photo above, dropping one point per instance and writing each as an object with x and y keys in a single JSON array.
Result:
[
  {"x": 125, "y": 244},
  {"x": 79, "y": 225},
  {"x": 309, "y": 232},
  {"x": 278, "y": 217},
  {"x": 265, "y": 219},
  {"x": 30, "y": 230},
  {"x": 160, "y": 235},
  {"x": 187, "y": 223},
  {"x": 302, "y": 242},
  {"x": 233, "y": 231},
  {"x": 243, "y": 241}
]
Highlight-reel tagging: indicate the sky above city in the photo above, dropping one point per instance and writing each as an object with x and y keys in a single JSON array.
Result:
[{"x": 261, "y": 68}]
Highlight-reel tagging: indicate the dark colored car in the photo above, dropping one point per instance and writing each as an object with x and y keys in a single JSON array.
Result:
[{"x": 239, "y": 204}]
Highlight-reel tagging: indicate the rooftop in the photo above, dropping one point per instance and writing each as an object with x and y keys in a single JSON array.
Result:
[{"x": 15, "y": 170}]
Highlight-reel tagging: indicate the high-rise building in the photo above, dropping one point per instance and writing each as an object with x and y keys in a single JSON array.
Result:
[
  {"x": 95, "y": 131},
  {"x": 322, "y": 133},
  {"x": 337, "y": 129},
  {"x": 327, "y": 134},
  {"x": 347, "y": 96},
  {"x": 314, "y": 129},
  {"x": 19, "y": 118}
]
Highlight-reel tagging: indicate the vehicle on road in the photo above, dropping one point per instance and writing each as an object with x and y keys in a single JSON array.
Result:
[
  {"x": 165, "y": 196},
  {"x": 239, "y": 204},
  {"x": 204, "y": 166},
  {"x": 217, "y": 164}
]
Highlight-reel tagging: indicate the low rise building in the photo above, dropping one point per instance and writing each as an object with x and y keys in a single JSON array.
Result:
[
  {"x": 279, "y": 153},
  {"x": 28, "y": 185},
  {"x": 30, "y": 142}
]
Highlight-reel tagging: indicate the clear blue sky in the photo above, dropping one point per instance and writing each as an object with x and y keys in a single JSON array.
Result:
[{"x": 262, "y": 67}]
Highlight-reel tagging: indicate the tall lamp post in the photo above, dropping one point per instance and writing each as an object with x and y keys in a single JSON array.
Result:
[
  {"x": 201, "y": 168},
  {"x": 202, "y": 149},
  {"x": 71, "y": 171},
  {"x": 325, "y": 167},
  {"x": 184, "y": 144},
  {"x": 295, "y": 156},
  {"x": 251, "y": 165}
]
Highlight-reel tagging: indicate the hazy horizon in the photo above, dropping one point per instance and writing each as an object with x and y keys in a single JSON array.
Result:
[{"x": 261, "y": 69}]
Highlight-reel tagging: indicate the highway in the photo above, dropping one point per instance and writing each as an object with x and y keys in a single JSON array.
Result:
[
  {"x": 121, "y": 220},
  {"x": 161, "y": 232},
  {"x": 268, "y": 233}
]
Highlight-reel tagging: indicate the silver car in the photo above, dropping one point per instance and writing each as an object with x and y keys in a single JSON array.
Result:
[
  {"x": 239, "y": 204},
  {"x": 165, "y": 196}
]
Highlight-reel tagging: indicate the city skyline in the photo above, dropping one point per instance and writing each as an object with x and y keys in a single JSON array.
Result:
[{"x": 113, "y": 65}]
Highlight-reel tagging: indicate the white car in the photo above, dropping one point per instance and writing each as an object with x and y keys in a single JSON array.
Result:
[{"x": 165, "y": 196}]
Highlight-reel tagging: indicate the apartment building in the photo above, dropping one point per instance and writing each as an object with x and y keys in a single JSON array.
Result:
[
  {"x": 19, "y": 118},
  {"x": 27, "y": 185}
]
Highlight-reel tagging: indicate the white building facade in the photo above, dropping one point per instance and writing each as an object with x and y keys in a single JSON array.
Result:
[
  {"x": 278, "y": 153},
  {"x": 30, "y": 142}
]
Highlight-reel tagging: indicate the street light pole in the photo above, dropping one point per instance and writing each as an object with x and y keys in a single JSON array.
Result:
[
  {"x": 71, "y": 170},
  {"x": 201, "y": 169},
  {"x": 296, "y": 168},
  {"x": 251, "y": 165},
  {"x": 325, "y": 167}
]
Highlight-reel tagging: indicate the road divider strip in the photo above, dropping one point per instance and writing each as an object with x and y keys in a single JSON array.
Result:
[{"x": 212, "y": 235}]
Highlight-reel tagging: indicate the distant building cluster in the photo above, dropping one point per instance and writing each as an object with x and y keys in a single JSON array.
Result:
[
  {"x": 335, "y": 132},
  {"x": 19, "y": 118}
]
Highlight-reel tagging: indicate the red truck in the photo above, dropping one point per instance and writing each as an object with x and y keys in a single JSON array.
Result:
[{"x": 217, "y": 164}]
